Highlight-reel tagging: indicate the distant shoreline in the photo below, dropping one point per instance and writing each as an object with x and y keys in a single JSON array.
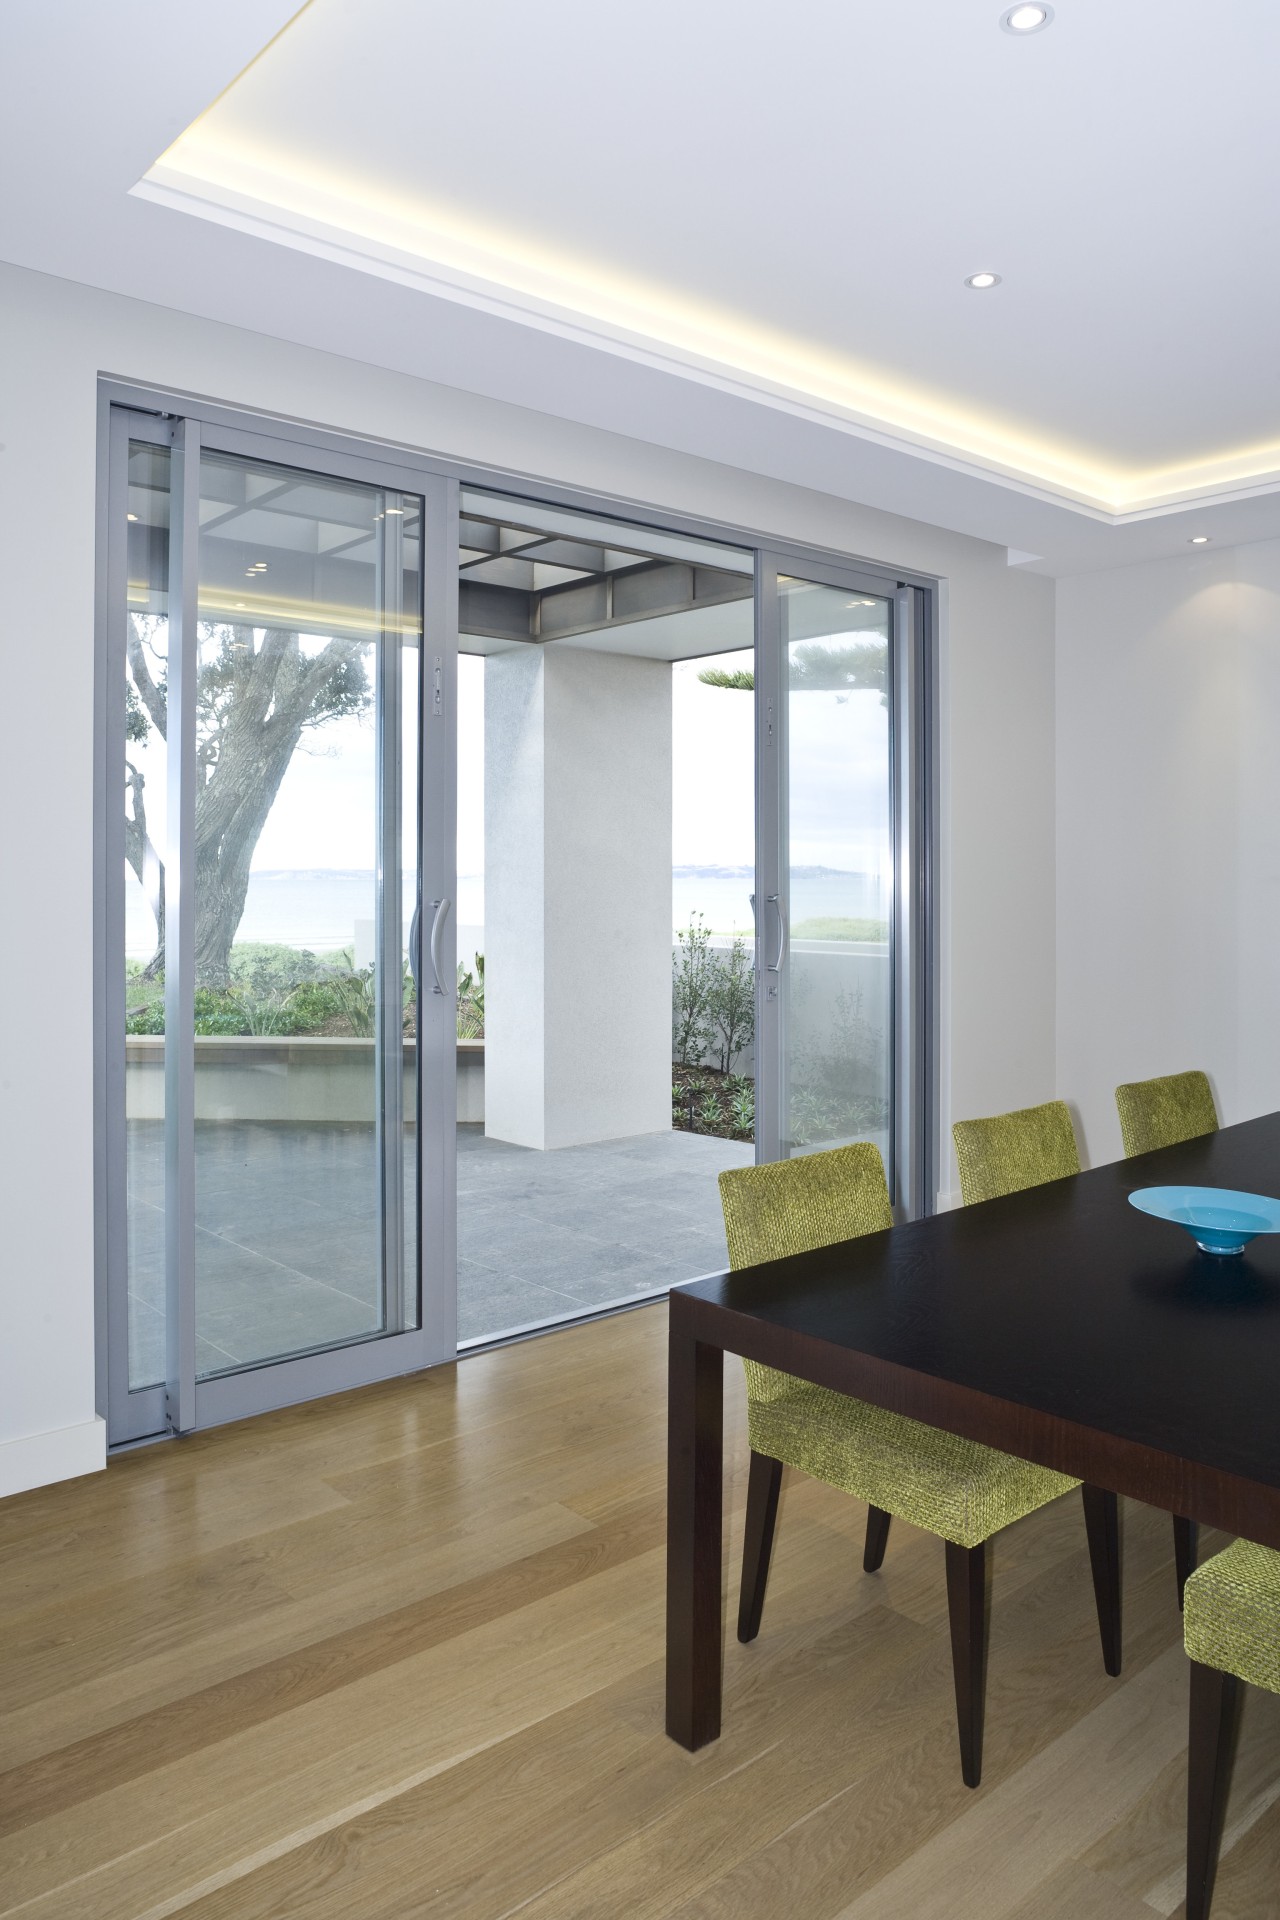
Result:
[{"x": 319, "y": 908}]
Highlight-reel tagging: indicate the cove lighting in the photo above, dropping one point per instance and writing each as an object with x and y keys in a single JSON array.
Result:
[
  {"x": 1026, "y": 18},
  {"x": 216, "y": 173},
  {"x": 981, "y": 280}
]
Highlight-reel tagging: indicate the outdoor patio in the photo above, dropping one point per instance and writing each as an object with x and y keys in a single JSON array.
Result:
[{"x": 287, "y": 1233}]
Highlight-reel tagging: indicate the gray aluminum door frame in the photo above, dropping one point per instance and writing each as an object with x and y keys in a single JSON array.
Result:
[
  {"x": 416, "y": 470},
  {"x": 184, "y": 1402},
  {"x": 913, "y": 787}
]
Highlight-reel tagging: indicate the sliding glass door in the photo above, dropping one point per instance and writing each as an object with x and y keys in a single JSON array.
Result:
[
  {"x": 842, "y": 905},
  {"x": 356, "y": 1104},
  {"x": 268, "y": 626}
]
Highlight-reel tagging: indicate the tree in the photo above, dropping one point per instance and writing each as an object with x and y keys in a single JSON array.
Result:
[
  {"x": 138, "y": 848},
  {"x": 258, "y": 690},
  {"x": 733, "y": 1001},
  {"x": 692, "y": 988}
]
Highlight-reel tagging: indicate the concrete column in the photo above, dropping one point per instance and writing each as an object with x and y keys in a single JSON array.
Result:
[{"x": 577, "y": 896}]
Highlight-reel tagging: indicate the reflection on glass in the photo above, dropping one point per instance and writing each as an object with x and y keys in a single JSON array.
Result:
[
  {"x": 839, "y": 868},
  {"x": 291, "y": 1246},
  {"x": 145, "y": 726},
  {"x": 409, "y": 867}
]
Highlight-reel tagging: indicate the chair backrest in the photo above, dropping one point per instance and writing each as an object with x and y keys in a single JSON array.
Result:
[
  {"x": 1011, "y": 1151},
  {"x": 1160, "y": 1113},
  {"x": 793, "y": 1206}
]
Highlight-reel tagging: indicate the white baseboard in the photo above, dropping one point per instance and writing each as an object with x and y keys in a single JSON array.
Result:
[{"x": 37, "y": 1459}]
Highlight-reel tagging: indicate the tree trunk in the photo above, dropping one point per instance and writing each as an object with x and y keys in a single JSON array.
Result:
[
  {"x": 269, "y": 695},
  {"x": 146, "y": 863}
]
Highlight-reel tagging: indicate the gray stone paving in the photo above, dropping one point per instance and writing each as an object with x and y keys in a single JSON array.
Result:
[{"x": 286, "y": 1233}]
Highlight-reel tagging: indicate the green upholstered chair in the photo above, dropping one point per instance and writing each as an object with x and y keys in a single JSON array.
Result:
[
  {"x": 1012, "y": 1151},
  {"x": 1231, "y": 1630},
  {"x": 1163, "y": 1113},
  {"x": 955, "y": 1488}
]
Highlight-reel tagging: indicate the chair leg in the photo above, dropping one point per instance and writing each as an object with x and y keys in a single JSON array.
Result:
[
  {"x": 1186, "y": 1536},
  {"x": 1102, "y": 1523},
  {"x": 1215, "y": 1718},
  {"x": 762, "y": 1511},
  {"x": 877, "y": 1536},
  {"x": 967, "y": 1571}
]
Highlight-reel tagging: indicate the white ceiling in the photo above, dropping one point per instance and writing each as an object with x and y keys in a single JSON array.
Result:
[{"x": 741, "y": 229}]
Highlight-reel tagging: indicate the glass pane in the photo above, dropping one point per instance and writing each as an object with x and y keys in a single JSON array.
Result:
[
  {"x": 836, "y": 647},
  {"x": 605, "y": 828},
  {"x": 145, "y": 725},
  {"x": 293, "y": 1251},
  {"x": 713, "y": 1072},
  {"x": 409, "y": 662}
]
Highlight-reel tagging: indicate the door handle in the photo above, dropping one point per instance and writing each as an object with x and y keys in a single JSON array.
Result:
[
  {"x": 415, "y": 948},
  {"x": 440, "y": 909},
  {"x": 775, "y": 900}
]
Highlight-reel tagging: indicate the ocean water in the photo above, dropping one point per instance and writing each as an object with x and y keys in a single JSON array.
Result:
[{"x": 321, "y": 909}]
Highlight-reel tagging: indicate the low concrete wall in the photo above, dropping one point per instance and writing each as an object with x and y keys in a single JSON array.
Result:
[{"x": 270, "y": 1077}]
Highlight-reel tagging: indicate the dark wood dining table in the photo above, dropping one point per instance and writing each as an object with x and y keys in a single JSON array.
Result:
[{"x": 1059, "y": 1324}]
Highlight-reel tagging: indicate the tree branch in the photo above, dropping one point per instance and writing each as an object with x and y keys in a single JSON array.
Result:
[{"x": 152, "y": 698}]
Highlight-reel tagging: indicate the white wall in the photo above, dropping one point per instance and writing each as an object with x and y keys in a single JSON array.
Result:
[
  {"x": 608, "y": 882},
  {"x": 997, "y": 882},
  {"x": 515, "y": 951},
  {"x": 577, "y": 809},
  {"x": 1168, "y": 834}
]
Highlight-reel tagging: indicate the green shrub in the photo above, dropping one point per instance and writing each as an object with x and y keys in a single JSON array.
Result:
[
  {"x": 732, "y": 1001},
  {"x": 274, "y": 989},
  {"x": 265, "y": 967},
  {"x": 692, "y": 1016},
  {"x": 471, "y": 1000},
  {"x": 313, "y": 1003},
  {"x": 146, "y": 1018},
  {"x": 219, "y": 1012},
  {"x": 356, "y": 998}
]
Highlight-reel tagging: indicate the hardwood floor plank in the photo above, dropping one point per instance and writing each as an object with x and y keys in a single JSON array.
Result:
[
  {"x": 180, "y": 1824},
  {"x": 201, "y": 1718},
  {"x": 129, "y": 1680},
  {"x": 1026, "y": 1826},
  {"x": 400, "y": 1654},
  {"x": 1072, "y": 1892}
]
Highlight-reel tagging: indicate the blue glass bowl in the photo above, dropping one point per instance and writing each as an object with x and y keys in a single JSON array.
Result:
[{"x": 1218, "y": 1219}]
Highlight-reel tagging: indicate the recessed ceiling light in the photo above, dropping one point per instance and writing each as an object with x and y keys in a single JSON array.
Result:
[
  {"x": 1199, "y": 539},
  {"x": 1028, "y": 18},
  {"x": 981, "y": 280}
]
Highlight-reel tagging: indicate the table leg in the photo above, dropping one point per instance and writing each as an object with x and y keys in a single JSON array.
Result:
[{"x": 695, "y": 1441}]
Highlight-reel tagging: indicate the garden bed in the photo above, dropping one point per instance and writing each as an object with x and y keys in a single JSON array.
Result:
[{"x": 705, "y": 1100}]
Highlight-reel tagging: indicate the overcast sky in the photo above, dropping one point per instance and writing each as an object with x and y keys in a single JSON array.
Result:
[{"x": 324, "y": 813}]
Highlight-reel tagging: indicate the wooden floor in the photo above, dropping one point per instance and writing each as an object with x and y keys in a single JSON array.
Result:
[{"x": 400, "y": 1653}]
